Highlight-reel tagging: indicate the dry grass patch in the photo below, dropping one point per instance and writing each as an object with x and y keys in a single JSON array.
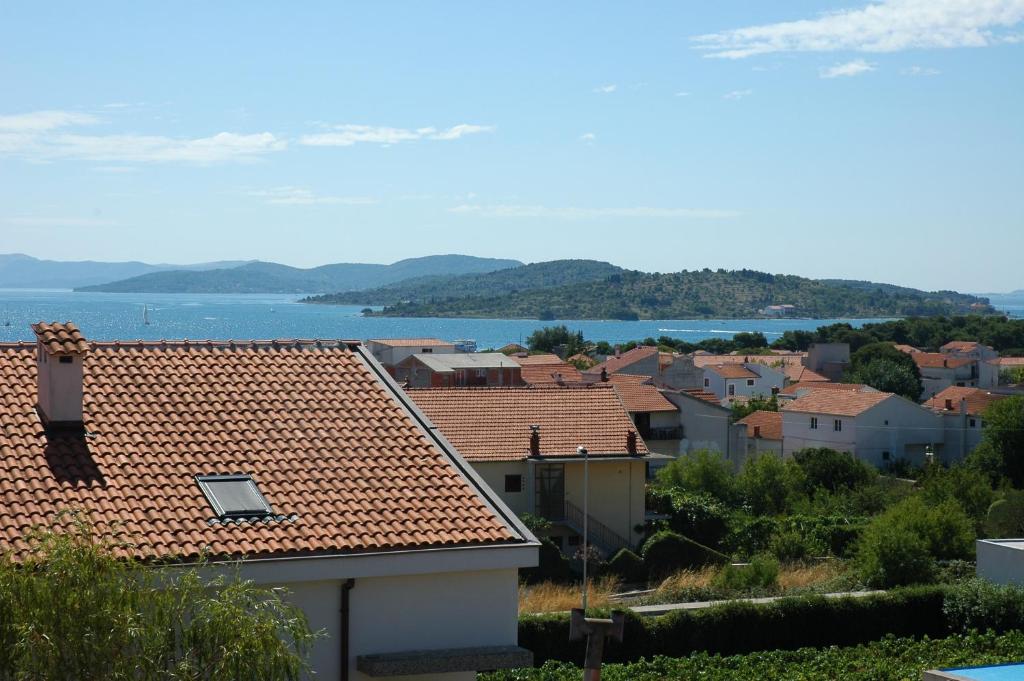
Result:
[
  {"x": 551, "y": 597},
  {"x": 687, "y": 579},
  {"x": 801, "y": 576}
]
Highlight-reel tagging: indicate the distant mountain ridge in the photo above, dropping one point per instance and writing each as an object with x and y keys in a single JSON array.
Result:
[
  {"x": 18, "y": 270},
  {"x": 626, "y": 294},
  {"x": 269, "y": 277}
]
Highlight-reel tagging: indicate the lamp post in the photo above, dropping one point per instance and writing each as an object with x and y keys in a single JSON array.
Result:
[{"x": 582, "y": 451}]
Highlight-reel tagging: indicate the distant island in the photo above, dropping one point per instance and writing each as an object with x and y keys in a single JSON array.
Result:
[
  {"x": 269, "y": 277},
  {"x": 18, "y": 270},
  {"x": 587, "y": 289}
]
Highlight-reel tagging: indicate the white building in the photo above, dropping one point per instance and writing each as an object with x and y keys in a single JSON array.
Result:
[
  {"x": 1000, "y": 560},
  {"x": 750, "y": 379},
  {"x": 876, "y": 427},
  {"x": 961, "y": 410},
  {"x": 391, "y": 351},
  {"x": 303, "y": 457},
  {"x": 764, "y": 433}
]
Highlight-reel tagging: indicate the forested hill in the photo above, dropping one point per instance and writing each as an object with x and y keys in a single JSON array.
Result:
[
  {"x": 508, "y": 281},
  {"x": 269, "y": 277},
  {"x": 682, "y": 295}
]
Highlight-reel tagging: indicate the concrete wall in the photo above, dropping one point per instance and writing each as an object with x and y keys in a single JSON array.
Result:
[
  {"x": 681, "y": 373},
  {"x": 494, "y": 472},
  {"x": 705, "y": 425},
  {"x": 961, "y": 434},
  {"x": 413, "y": 612},
  {"x": 1001, "y": 560},
  {"x": 389, "y": 356},
  {"x": 797, "y": 433},
  {"x": 828, "y": 359},
  {"x": 617, "y": 497},
  {"x": 60, "y": 385}
]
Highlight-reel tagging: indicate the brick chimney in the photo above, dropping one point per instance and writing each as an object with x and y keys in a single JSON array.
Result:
[
  {"x": 534, "y": 440},
  {"x": 60, "y": 349},
  {"x": 631, "y": 446},
  {"x": 757, "y": 431},
  {"x": 604, "y": 375},
  {"x": 949, "y": 404}
]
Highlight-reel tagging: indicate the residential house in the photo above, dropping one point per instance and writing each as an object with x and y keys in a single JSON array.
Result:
[
  {"x": 668, "y": 369},
  {"x": 828, "y": 359},
  {"x": 458, "y": 370},
  {"x": 391, "y": 351},
  {"x": 706, "y": 424},
  {"x": 764, "y": 433},
  {"x": 789, "y": 363},
  {"x": 656, "y": 418},
  {"x": 961, "y": 409},
  {"x": 732, "y": 381},
  {"x": 523, "y": 443},
  {"x": 791, "y": 392},
  {"x": 1000, "y": 560},
  {"x": 547, "y": 368},
  {"x": 876, "y": 427},
  {"x": 300, "y": 462},
  {"x": 940, "y": 371},
  {"x": 987, "y": 360},
  {"x": 513, "y": 349}
]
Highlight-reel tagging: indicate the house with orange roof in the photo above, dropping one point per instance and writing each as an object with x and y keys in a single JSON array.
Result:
[
  {"x": 703, "y": 424},
  {"x": 799, "y": 389},
  {"x": 523, "y": 442},
  {"x": 656, "y": 418},
  {"x": 668, "y": 369},
  {"x": 986, "y": 359},
  {"x": 546, "y": 369},
  {"x": 828, "y": 359},
  {"x": 750, "y": 379},
  {"x": 876, "y": 427},
  {"x": 391, "y": 351},
  {"x": 940, "y": 371},
  {"x": 962, "y": 411},
  {"x": 299, "y": 462},
  {"x": 459, "y": 370},
  {"x": 764, "y": 433}
]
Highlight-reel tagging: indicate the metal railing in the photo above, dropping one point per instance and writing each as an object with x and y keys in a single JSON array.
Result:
[
  {"x": 598, "y": 533},
  {"x": 671, "y": 433}
]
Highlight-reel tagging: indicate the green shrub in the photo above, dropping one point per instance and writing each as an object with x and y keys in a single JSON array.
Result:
[
  {"x": 1005, "y": 517},
  {"x": 761, "y": 573},
  {"x": 702, "y": 472},
  {"x": 552, "y": 566},
  {"x": 790, "y": 546},
  {"x": 666, "y": 552},
  {"x": 701, "y": 517},
  {"x": 891, "y": 555},
  {"x": 628, "y": 566},
  {"x": 832, "y": 470},
  {"x": 750, "y": 535},
  {"x": 980, "y": 604},
  {"x": 768, "y": 484}
]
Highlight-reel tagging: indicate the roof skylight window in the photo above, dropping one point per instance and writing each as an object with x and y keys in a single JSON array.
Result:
[{"x": 234, "y": 496}]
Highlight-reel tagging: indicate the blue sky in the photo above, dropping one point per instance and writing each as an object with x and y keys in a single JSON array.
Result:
[{"x": 874, "y": 141}]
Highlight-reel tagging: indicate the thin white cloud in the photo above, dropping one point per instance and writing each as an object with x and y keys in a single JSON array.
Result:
[
  {"x": 682, "y": 94},
  {"x": 56, "y": 221},
  {"x": 348, "y": 135},
  {"x": 885, "y": 26},
  {"x": 40, "y": 121},
  {"x": 919, "y": 71},
  {"x": 116, "y": 170},
  {"x": 737, "y": 94},
  {"x": 299, "y": 196},
  {"x": 606, "y": 89},
  {"x": 576, "y": 213},
  {"x": 850, "y": 68},
  {"x": 588, "y": 137}
]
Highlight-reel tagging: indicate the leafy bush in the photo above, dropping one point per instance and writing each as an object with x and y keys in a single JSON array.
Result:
[
  {"x": 832, "y": 470},
  {"x": 761, "y": 573},
  {"x": 1005, "y": 517},
  {"x": 628, "y": 566},
  {"x": 891, "y": 555},
  {"x": 667, "y": 551},
  {"x": 980, "y": 604},
  {"x": 552, "y": 566},
  {"x": 701, "y": 471},
  {"x": 891, "y": 659},
  {"x": 701, "y": 517},
  {"x": 790, "y": 546},
  {"x": 768, "y": 484}
]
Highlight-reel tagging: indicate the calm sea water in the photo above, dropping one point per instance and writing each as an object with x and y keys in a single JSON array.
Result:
[{"x": 109, "y": 316}]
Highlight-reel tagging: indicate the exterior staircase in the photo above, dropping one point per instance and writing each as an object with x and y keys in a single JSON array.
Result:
[{"x": 598, "y": 534}]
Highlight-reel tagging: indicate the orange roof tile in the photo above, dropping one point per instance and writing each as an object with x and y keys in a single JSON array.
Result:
[
  {"x": 731, "y": 371},
  {"x": 613, "y": 364},
  {"x": 837, "y": 402},
  {"x": 797, "y": 373},
  {"x": 1009, "y": 361},
  {"x": 824, "y": 385},
  {"x": 909, "y": 349},
  {"x": 977, "y": 399},
  {"x": 60, "y": 338},
  {"x": 773, "y": 360},
  {"x": 768, "y": 424},
  {"x": 642, "y": 398},
  {"x": 960, "y": 346},
  {"x": 493, "y": 424},
  {"x": 564, "y": 372},
  {"x": 937, "y": 360},
  {"x": 344, "y": 465},
  {"x": 702, "y": 395},
  {"x": 410, "y": 342}
]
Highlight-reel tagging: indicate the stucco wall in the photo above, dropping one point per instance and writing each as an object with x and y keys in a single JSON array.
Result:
[
  {"x": 616, "y": 493},
  {"x": 493, "y": 473},
  {"x": 705, "y": 425},
  {"x": 1001, "y": 561},
  {"x": 423, "y": 612}
]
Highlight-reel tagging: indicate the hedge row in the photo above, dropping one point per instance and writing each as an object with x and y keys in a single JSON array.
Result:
[{"x": 742, "y": 627}]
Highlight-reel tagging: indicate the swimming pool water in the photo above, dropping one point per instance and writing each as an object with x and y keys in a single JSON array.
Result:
[{"x": 999, "y": 672}]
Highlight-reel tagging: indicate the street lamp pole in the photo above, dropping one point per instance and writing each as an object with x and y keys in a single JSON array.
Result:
[{"x": 582, "y": 451}]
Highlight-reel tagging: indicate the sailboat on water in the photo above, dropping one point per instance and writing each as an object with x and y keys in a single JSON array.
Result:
[
  {"x": 7, "y": 317},
  {"x": 145, "y": 315}
]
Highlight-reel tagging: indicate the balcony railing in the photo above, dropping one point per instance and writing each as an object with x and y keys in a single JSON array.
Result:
[{"x": 671, "y": 433}]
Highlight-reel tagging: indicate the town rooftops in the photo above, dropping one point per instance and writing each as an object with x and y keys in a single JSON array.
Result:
[
  {"x": 343, "y": 463},
  {"x": 547, "y": 368},
  {"x": 960, "y": 346},
  {"x": 703, "y": 395},
  {"x": 937, "y": 360},
  {"x": 763, "y": 424},
  {"x": 494, "y": 424},
  {"x": 639, "y": 397},
  {"x": 977, "y": 400},
  {"x": 466, "y": 360},
  {"x": 731, "y": 371},
  {"x": 617, "y": 363},
  {"x": 410, "y": 342},
  {"x": 836, "y": 402},
  {"x": 797, "y": 389}
]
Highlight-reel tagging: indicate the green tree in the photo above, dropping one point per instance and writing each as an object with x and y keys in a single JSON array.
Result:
[
  {"x": 701, "y": 471},
  {"x": 548, "y": 338},
  {"x": 885, "y": 368},
  {"x": 768, "y": 484},
  {"x": 1001, "y": 452},
  {"x": 743, "y": 409},
  {"x": 74, "y": 608},
  {"x": 832, "y": 471}
]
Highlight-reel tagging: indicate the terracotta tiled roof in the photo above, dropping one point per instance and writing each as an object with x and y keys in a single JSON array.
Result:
[
  {"x": 731, "y": 371},
  {"x": 823, "y": 385},
  {"x": 60, "y": 338},
  {"x": 909, "y": 349},
  {"x": 767, "y": 423},
  {"x": 960, "y": 346},
  {"x": 549, "y": 372},
  {"x": 613, "y": 364},
  {"x": 342, "y": 463},
  {"x": 411, "y": 342},
  {"x": 702, "y": 395},
  {"x": 836, "y": 402},
  {"x": 977, "y": 399},
  {"x": 511, "y": 348},
  {"x": 493, "y": 424},
  {"x": 937, "y": 360},
  {"x": 642, "y": 398},
  {"x": 635, "y": 379},
  {"x": 546, "y": 358},
  {"x": 775, "y": 361},
  {"x": 1009, "y": 361},
  {"x": 797, "y": 373}
]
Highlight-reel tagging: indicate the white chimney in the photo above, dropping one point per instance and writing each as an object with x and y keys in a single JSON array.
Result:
[{"x": 60, "y": 349}]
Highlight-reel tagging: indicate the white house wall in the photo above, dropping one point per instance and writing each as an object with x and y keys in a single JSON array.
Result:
[
  {"x": 1001, "y": 560},
  {"x": 412, "y": 612},
  {"x": 797, "y": 433},
  {"x": 899, "y": 427},
  {"x": 494, "y": 472},
  {"x": 617, "y": 494}
]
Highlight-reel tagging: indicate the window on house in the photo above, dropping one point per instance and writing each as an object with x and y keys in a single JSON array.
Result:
[
  {"x": 707, "y": 382},
  {"x": 234, "y": 496},
  {"x": 750, "y": 381},
  {"x": 513, "y": 483},
  {"x": 886, "y": 456},
  {"x": 973, "y": 423},
  {"x": 427, "y": 350},
  {"x": 65, "y": 359},
  {"x": 814, "y": 423},
  {"x": 481, "y": 373},
  {"x": 837, "y": 425},
  {"x": 732, "y": 388},
  {"x": 960, "y": 384}
]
